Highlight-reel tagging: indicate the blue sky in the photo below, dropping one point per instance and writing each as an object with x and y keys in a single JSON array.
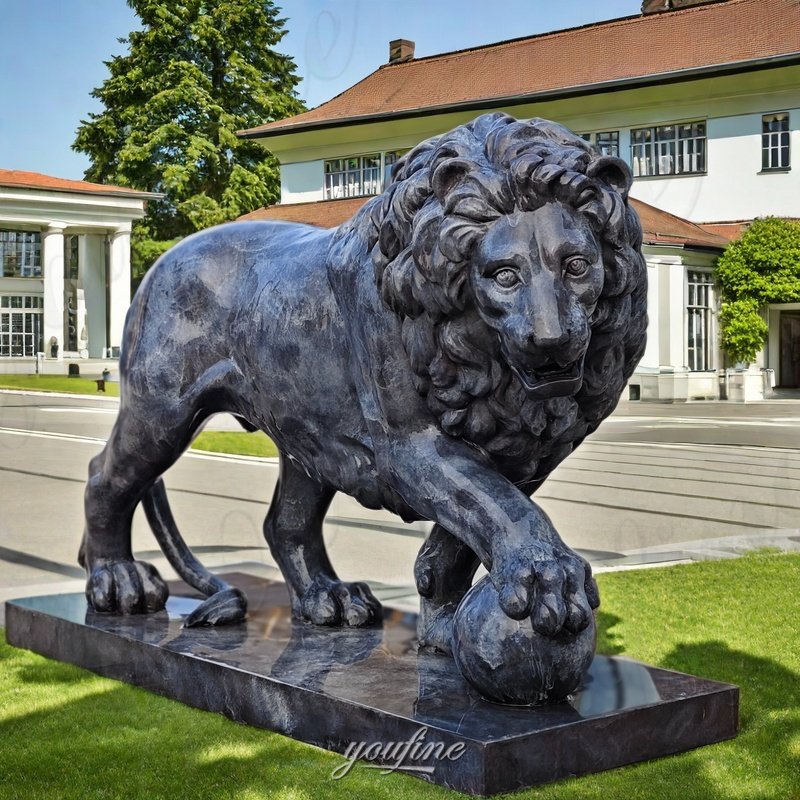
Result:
[{"x": 53, "y": 51}]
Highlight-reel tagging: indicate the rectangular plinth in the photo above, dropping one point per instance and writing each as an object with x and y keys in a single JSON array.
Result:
[{"x": 360, "y": 690}]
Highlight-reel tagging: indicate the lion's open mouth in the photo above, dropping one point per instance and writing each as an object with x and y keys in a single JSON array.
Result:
[{"x": 551, "y": 380}]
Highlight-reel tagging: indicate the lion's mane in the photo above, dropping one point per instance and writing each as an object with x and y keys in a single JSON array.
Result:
[{"x": 422, "y": 231}]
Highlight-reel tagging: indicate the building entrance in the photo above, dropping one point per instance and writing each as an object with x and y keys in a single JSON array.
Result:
[{"x": 790, "y": 349}]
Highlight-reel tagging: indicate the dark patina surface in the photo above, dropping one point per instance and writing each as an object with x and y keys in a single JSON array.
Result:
[{"x": 438, "y": 355}]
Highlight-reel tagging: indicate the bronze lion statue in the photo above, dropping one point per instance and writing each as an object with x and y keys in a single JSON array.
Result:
[{"x": 437, "y": 355}]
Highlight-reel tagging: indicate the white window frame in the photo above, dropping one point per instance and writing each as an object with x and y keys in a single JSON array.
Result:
[
  {"x": 388, "y": 159},
  {"x": 700, "y": 320},
  {"x": 353, "y": 176},
  {"x": 674, "y": 148},
  {"x": 775, "y": 141},
  {"x": 605, "y": 142},
  {"x": 21, "y": 325},
  {"x": 28, "y": 247}
]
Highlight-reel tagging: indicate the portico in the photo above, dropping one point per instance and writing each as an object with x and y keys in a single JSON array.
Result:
[{"x": 65, "y": 278}]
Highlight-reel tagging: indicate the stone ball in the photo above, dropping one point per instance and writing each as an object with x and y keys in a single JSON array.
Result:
[{"x": 507, "y": 661}]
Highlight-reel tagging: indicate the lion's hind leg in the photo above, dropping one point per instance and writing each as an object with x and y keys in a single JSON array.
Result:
[
  {"x": 149, "y": 435},
  {"x": 293, "y": 530},
  {"x": 443, "y": 571},
  {"x": 134, "y": 456}
]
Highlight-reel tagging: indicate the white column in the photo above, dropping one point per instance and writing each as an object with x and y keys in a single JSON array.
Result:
[
  {"x": 53, "y": 260},
  {"x": 119, "y": 283},
  {"x": 92, "y": 263},
  {"x": 672, "y": 299},
  {"x": 650, "y": 358}
]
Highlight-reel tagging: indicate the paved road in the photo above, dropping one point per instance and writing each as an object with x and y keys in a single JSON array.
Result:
[{"x": 656, "y": 483}]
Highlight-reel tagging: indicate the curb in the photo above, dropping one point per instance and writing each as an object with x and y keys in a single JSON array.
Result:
[{"x": 34, "y": 393}]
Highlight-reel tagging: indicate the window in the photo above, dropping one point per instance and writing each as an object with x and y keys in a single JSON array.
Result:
[
  {"x": 606, "y": 142},
  {"x": 358, "y": 176},
  {"x": 20, "y": 254},
  {"x": 389, "y": 160},
  {"x": 20, "y": 325},
  {"x": 669, "y": 149},
  {"x": 353, "y": 176},
  {"x": 775, "y": 141},
  {"x": 699, "y": 321},
  {"x": 71, "y": 257}
]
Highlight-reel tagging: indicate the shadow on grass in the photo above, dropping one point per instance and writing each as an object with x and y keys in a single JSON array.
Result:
[
  {"x": 609, "y": 639},
  {"x": 65, "y": 733},
  {"x": 51, "y": 673},
  {"x": 127, "y": 742}
]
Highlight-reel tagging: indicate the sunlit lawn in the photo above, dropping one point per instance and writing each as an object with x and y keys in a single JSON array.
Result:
[
  {"x": 56, "y": 383},
  {"x": 68, "y": 734},
  {"x": 246, "y": 444}
]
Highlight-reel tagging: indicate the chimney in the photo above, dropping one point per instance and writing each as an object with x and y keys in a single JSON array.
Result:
[
  {"x": 400, "y": 50},
  {"x": 655, "y": 6}
]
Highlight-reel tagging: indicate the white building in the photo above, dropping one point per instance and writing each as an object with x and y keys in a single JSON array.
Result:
[
  {"x": 702, "y": 101},
  {"x": 65, "y": 277}
]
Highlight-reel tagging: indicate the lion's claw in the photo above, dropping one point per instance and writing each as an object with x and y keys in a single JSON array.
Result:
[
  {"x": 549, "y": 614},
  {"x": 332, "y": 602},
  {"x": 557, "y": 591},
  {"x": 515, "y": 599},
  {"x": 577, "y": 618},
  {"x": 590, "y": 587},
  {"x": 126, "y": 587}
]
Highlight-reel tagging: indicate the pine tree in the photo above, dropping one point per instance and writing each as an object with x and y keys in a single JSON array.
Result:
[{"x": 198, "y": 71}]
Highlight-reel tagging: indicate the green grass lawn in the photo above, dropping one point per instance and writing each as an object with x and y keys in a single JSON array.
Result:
[
  {"x": 245, "y": 444},
  {"x": 66, "y": 733},
  {"x": 56, "y": 383}
]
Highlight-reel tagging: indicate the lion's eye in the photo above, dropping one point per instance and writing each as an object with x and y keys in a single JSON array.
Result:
[
  {"x": 577, "y": 267},
  {"x": 506, "y": 277}
]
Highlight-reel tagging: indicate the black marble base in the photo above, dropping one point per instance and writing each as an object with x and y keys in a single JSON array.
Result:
[{"x": 335, "y": 688}]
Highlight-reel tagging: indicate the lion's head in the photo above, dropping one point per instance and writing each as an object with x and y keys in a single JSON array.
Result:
[{"x": 510, "y": 253}]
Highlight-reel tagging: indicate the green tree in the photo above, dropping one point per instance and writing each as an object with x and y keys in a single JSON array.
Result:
[
  {"x": 760, "y": 268},
  {"x": 197, "y": 71}
]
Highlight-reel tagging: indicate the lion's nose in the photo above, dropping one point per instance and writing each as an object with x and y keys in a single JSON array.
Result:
[
  {"x": 548, "y": 334},
  {"x": 550, "y": 340},
  {"x": 562, "y": 346}
]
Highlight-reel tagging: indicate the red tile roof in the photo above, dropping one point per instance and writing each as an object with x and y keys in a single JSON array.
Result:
[
  {"x": 716, "y": 35},
  {"x": 728, "y": 230},
  {"x": 733, "y": 230},
  {"x": 325, "y": 213},
  {"x": 659, "y": 226},
  {"x": 35, "y": 180}
]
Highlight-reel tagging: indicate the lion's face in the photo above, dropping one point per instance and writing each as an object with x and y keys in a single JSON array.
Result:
[
  {"x": 536, "y": 277},
  {"x": 510, "y": 253}
]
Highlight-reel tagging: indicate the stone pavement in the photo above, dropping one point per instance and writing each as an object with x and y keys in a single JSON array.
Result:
[{"x": 657, "y": 484}]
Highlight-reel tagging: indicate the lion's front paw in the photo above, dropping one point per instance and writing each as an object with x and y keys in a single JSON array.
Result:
[
  {"x": 126, "y": 587},
  {"x": 553, "y": 585},
  {"x": 332, "y": 602}
]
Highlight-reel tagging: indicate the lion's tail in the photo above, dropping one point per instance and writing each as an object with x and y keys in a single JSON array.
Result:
[{"x": 225, "y": 603}]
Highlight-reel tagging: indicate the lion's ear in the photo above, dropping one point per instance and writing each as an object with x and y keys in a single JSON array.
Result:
[
  {"x": 612, "y": 171},
  {"x": 449, "y": 174}
]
